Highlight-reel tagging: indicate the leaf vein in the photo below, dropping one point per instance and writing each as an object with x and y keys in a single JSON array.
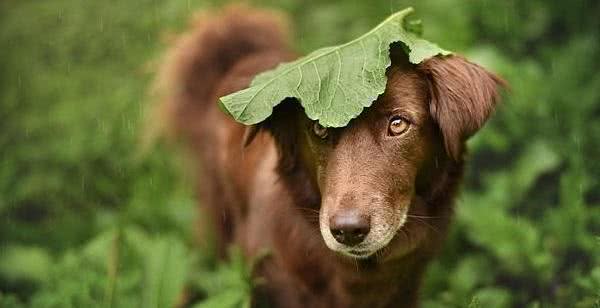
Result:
[
  {"x": 319, "y": 79},
  {"x": 337, "y": 81},
  {"x": 364, "y": 65}
]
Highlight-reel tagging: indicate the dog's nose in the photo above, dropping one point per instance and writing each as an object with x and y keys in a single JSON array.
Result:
[{"x": 349, "y": 229}]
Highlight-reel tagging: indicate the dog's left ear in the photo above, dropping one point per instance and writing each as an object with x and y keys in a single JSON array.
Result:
[
  {"x": 281, "y": 125},
  {"x": 249, "y": 134},
  {"x": 462, "y": 97}
]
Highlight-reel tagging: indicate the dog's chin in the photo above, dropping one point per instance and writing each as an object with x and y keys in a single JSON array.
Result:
[
  {"x": 378, "y": 255},
  {"x": 357, "y": 254},
  {"x": 362, "y": 252}
]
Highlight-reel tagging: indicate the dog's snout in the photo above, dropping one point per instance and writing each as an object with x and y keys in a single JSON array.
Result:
[{"x": 349, "y": 228}]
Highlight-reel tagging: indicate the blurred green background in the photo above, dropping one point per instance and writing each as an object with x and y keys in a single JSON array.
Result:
[{"x": 88, "y": 219}]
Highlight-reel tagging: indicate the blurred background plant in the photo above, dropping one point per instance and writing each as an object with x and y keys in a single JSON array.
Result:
[{"x": 87, "y": 221}]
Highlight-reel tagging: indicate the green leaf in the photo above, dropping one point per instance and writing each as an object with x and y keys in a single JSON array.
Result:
[
  {"x": 228, "y": 298},
  {"x": 231, "y": 283},
  {"x": 19, "y": 263},
  {"x": 165, "y": 273},
  {"x": 333, "y": 84},
  {"x": 474, "y": 303},
  {"x": 10, "y": 301}
]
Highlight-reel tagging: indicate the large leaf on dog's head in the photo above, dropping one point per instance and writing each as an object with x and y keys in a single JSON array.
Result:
[{"x": 333, "y": 84}]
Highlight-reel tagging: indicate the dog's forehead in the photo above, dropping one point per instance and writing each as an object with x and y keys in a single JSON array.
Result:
[{"x": 406, "y": 91}]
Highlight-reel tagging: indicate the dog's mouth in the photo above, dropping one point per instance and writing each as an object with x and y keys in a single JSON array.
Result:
[
  {"x": 382, "y": 233},
  {"x": 365, "y": 252},
  {"x": 359, "y": 254}
]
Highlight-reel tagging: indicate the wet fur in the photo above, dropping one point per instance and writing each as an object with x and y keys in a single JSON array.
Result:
[{"x": 263, "y": 186}]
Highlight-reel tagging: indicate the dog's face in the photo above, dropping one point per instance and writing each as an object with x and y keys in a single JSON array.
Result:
[
  {"x": 367, "y": 171},
  {"x": 371, "y": 172}
]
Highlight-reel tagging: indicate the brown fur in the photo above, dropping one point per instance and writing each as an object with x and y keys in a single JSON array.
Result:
[{"x": 270, "y": 187}]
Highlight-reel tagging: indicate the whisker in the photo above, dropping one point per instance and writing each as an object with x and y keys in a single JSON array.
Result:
[
  {"x": 309, "y": 214},
  {"x": 312, "y": 218},
  {"x": 379, "y": 255},
  {"x": 426, "y": 217},
  {"x": 405, "y": 234},
  {"x": 307, "y": 209},
  {"x": 427, "y": 224}
]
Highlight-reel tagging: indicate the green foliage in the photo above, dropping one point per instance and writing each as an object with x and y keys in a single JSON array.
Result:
[
  {"x": 333, "y": 84},
  {"x": 95, "y": 275},
  {"x": 120, "y": 268},
  {"x": 86, "y": 221},
  {"x": 230, "y": 285}
]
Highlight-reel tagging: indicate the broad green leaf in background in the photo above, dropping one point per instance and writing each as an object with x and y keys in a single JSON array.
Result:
[
  {"x": 165, "y": 273},
  {"x": 19, "y": 262},
  {"x": 333, "y": 84}
]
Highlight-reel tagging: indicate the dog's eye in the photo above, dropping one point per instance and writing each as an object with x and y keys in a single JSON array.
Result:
[
  {"x": 398, "y": 126},
  {"x": 319, "y": 130}
]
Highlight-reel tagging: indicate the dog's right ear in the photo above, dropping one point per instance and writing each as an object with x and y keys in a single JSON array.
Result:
[{"x": 282, "y": 126}]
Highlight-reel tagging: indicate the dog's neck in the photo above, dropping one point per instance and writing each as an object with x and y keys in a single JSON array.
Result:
[{"x": 395, "y": 282}]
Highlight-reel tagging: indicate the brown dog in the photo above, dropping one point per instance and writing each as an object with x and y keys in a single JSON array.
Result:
[{"x": 350, "y": 216}]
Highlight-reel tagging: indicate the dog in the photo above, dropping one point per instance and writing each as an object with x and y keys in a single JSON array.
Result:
[{"x": 348, "y": 217}]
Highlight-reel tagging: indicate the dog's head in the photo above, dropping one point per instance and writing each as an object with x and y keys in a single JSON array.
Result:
[{"x": 373, "y": 172}]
